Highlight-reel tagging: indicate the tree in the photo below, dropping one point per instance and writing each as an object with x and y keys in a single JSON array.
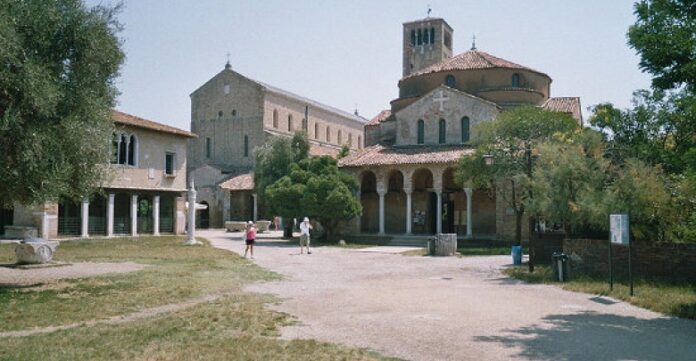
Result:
[
  {"x": 664, "y": 35},
  {"x": 59, "y": 63},
  {"x": 316, "y": 188},
  {"x": 512, "y": 140}
]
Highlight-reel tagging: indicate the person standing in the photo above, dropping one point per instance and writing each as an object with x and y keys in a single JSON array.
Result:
[
  {"x": 304, "y": 235},
  {"x": 250, "y": 236}
]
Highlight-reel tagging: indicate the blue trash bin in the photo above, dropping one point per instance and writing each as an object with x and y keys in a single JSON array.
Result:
[{"x": 517, "y": 255}]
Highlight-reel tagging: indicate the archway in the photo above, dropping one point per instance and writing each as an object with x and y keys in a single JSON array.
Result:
[
  {"x": 424, "y": 202},
  {"x": 69, "y": 218},
  {"x": 145, "y": 221},
  {"x": 6, "y": 219},
  {"x": 395, "y": 204},
  {"x": 203, "y": 216},
  {"x": 453, "y": 205},
  {"x": 369, "y": 199}
]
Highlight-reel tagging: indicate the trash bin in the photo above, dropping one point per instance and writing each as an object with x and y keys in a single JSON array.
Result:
[
  {"x": 517, "y": 255},
  {"x": 559, "y": 261}
]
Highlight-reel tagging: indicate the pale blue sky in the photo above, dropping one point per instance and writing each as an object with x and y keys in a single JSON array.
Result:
[{"x": 344, "y": 53}]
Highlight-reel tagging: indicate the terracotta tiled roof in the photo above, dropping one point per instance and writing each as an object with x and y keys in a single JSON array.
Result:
[
  {"x": 421, "y": 154},
  {"x": 382, "y": 116},
  {"x": 562, "y": 104},
  {"x": 316, "y": 150},
  {"x": 241, "y": 182},
  {"x": 132, "y": 120},
  {"x": 472, "y": 59}
]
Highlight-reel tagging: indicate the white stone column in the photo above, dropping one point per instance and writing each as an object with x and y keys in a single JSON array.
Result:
[
  {"x": 469, "y": 226},
  {"x": 85, "y": 218},
  {"x": 155, "y": 215},
  {"x": 191, "y": 228},
  {"x": 256, "y": 207},
  {"x": 438, "y": 216},
  {"x": 381, "y": 211},
  {"x": 409, "y": 211},
  {"x": 110, "y": 216},
  {"x": 134, "y": 215}
]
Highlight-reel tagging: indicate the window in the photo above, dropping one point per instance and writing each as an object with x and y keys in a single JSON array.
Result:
[
  {"x": 123, "y": 150},
  {"x": 443, "y": 131},
  {"x": 208, "y": 147},
  {"x": 316, "y": 130},
  {"x": 413, "y": 38},
  {"x": 515, "y": 80},
  {"x": 289, "y": 122},
  {"x": 426, "y": 36},
  {"x": 359, "y": 142},
  {"x": 115, "y": 144},
  {"x": 432, "y": 35},
  {"x": 220, "y": 114},
  {"x": 275, "y": 118},
  {"x": 132, "y": 150},
  {"x": 466, "y": 124},
  {"x": 246, "y": 145},
  {"x": 448, "y": 41},
  {"x": 340, "y": 137},
  {"x": 328, "y": 134},
  {"x": 421, "y": 131},
  {"x": 420, "y": 37},
  {"x": 449, "y": 80},
  {"x": 234, "y": 112},
  {"x": 169, "y": 163},
  {"x": 227, "y": 89},
  {"x": 304, "y": 124}
]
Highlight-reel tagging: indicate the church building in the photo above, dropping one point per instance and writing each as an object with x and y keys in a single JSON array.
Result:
[{"x": 406, "y": 170}]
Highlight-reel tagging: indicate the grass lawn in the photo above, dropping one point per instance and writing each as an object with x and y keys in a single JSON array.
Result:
[
  {"x": 672, "y": 298},
  {"x": 236, "y": 326},
  {"x": 477, "y": 249}
]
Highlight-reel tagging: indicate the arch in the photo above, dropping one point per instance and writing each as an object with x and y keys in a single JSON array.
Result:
[
  {"x": 289, "y": 122},
  {"x": 203, "y": 217},
  {"x": 115, "y": 148},
  {"x": 369, "y": 199},
  {"x": 424, "y": 202},
  {"x": 133, "y": 150},
  {"x": 515, "y": 80},
  {"x": 275, "y": 118},
  {"x": 246, "y": 145},
  {"x": 442, "y": 131},
  {"x": 328, "y": 134},
  {"x": 368, "y": 182},
  {"x": 350, "y": 140},
  {"x": 421, "y": 131},
  {"x": 340, "y": 137},
  {"x": 422, "y": 179},
  {"x": 432, "y": 35},
  {"x": 69, "y": 219},
  {"x": 360, "y": 142},
  {"x": 316, "y": 130},
  {"x": 395, "y": 203},
  {"x": 466, "y": 129},
  {"x": 450, "y": 80}
]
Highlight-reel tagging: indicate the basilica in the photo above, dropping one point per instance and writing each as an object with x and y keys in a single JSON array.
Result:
[{"x": 406, "y": 169}]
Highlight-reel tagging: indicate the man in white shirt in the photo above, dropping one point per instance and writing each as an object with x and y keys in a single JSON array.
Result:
[{"x": 304, "y": 235}]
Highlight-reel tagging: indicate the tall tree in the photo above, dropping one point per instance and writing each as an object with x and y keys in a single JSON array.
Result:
[{"x": 59, "y": 63}]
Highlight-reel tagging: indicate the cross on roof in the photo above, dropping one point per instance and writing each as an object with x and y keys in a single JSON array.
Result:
[{"x": 441, "y": 98}]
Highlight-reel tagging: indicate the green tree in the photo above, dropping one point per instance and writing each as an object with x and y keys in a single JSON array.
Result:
[
  {"x": 316, "y": 188},
  {"x": 664, "y": 35},
  {"x": 59, "y": 63},
  {"x": 511, "y": 141}
]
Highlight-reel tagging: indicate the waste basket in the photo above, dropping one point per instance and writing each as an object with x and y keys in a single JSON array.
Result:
[
  {"x": 559, "y": 261},
  {"x": 517, "y": 255}
]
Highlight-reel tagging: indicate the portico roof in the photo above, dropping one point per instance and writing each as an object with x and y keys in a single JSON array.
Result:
[
  {"x": 241, "y": 182},
  {"x": 400, "y": 155}
]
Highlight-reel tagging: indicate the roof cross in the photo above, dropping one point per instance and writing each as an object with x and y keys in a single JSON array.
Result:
[{"x": 441, "y": 98}]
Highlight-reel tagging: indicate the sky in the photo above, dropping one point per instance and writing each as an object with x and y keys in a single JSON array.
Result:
[{"x": 347, "y": 54}]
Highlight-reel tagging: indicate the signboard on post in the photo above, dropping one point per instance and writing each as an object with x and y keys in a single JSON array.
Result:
[{"x": 618, "y": 228}]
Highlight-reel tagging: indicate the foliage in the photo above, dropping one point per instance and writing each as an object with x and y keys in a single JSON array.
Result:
[
  {"x": 512, "y": 140},
  {"x": 60, "y": 61},
  {"x": 274, "y": 158},
  {"x": 664, "y": 36},
  {"x": 316, "y": 188},
  {"x": 345, "y": 150}
]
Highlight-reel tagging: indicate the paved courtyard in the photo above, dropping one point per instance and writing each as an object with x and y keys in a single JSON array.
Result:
[{"x": 424, "y": 308}]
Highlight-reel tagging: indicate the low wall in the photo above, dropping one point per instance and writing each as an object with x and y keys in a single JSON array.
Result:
[{"x": 671, "y": 260}]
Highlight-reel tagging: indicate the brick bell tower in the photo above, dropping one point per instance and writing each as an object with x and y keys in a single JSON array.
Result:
[{"x": 426, "y": 42}]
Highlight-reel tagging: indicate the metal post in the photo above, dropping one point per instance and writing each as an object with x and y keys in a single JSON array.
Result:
[
  {"x": 611, "y": 271},
  {"x": 630, "y": 270}
]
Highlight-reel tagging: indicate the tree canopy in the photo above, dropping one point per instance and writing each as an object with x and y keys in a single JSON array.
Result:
[{"x": 59, "y": 63}]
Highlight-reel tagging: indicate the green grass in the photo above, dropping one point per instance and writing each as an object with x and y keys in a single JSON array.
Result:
[
  {"x": 467, "y": 250},
  {"x": 237, "y": 326},
  {"x": 664, "y": 296}
]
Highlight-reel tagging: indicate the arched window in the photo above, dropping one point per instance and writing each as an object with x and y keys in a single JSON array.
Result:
[
  {"x": 466, "y": 131},
  {"x": 328, "y": 134},
  {"x": 340, "y": 137},
  {"x": 275, "y": 118},
  {"x": 316, "y": 130},
  {"x": 246, "y": 145},
  {"x": 359, "y": 142},
  {"x": 289, "y": 122},
  {"x": 443, "y": 131},
  {"x": 234, "y": 112},
  {"x": 133, "y": 150},
  {"x": 115, "y": 143},
  {"x": 449, "y": 80},
  {"x": 426, "y": 36},
  {"x": 432, "y": 35},
  {"x": 420, "y": 37},
  {"x": 515, "y": 80},
  {"x": 413, "y": 38},
  {"x": 350, "y": 139},
  {"x": 220, "y": 114},
  {"x": 421, "y": 131},
  {"x": 304, "y": 124},
  {"x": 123, "y": 150}
]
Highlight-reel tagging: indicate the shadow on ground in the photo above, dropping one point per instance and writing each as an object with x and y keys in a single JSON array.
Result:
[{"x": 601, "y": 337}]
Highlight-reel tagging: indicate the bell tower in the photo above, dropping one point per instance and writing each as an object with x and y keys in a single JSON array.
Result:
[{"x": 426, "y": 42}]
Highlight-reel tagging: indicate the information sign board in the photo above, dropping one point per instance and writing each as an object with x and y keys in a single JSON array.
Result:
[{"x": 618, "y": 228}]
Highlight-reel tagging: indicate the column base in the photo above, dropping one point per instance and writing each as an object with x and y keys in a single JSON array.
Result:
[{"x": 192, "y": 242}]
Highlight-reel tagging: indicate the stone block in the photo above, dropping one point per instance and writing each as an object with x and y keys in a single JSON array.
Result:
[
  {"x": 20, "y": 232},
  {"x": 235, "y": 226},
  {"x": 35, "y": 251}
]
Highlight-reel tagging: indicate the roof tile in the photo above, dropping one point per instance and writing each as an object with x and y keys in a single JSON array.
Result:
[{"x": 421, "y": 154}]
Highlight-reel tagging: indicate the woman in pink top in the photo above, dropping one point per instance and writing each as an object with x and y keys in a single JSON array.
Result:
[{"x": 250, "y": 239}]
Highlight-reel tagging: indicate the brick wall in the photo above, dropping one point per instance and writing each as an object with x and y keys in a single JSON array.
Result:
[{"x": 649, "y": 260}]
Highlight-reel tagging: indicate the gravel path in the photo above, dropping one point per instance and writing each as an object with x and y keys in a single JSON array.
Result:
[
  {"x": 34, "y": 275},
  {"x": 423, "y": 308}
]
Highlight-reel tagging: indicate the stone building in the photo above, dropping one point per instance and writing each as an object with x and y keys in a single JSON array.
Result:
[
  {"x": 406, "y": 169},
  {"x": 144, "y": 192},
  {"x": 232, "y": 115}
]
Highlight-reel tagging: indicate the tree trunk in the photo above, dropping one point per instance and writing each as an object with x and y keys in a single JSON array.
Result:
[
  {"x": 532, "y": 244},
  {"x": 518, "y": 228}
]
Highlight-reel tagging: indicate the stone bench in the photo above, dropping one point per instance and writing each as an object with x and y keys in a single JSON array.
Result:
[{"x": 20, "y": 232}]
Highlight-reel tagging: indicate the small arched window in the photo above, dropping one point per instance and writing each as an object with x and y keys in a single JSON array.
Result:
[
  {"x": 515, "y": 80},
  {"x": 359, "y": 142},
  {"x": 426, "y": 36},
  {"x": 289, "y": 122},
  {"x": 115, "y": 143},
  {"x": 350, "y": 139},
  {"x": 316, "y": 130},
  {"x": 133, "y": 150},
  {"x": 123, "y": 150},
  {"x": 421, "y": 131},
  {"x": 420, "y": 37},
  {"x": 443, "y": 131},
  {"x": 275, "y": 118},
  {"x": 328, "y": 134},
  {"x": 413, "y": 38},
  {"x": 450, "y": 80},
  {"x": 234, "y": 112},
  {"x": 246, "y": 145},
  {"x": 220, "y": 114},
  {"x": 432, "y": 35},
  {"x": 466, "y": 129},
  {"x": 340, "y": 137}
]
